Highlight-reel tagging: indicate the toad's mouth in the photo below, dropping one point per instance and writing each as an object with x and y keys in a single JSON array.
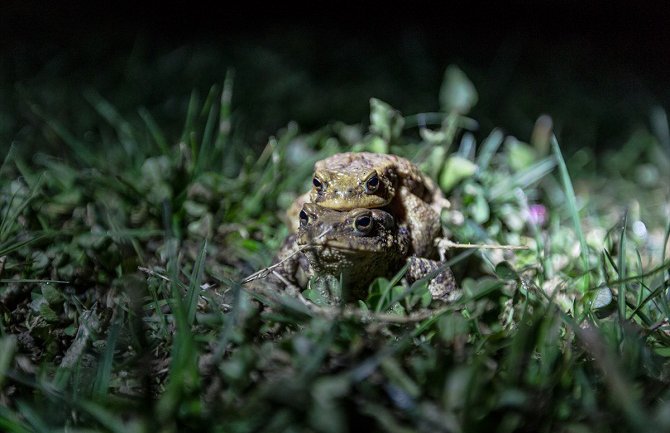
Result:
[
  {"x": 323, "y": 242},
  {"x": 343, "y": 202},
  {"x": 342, "y": 246}
]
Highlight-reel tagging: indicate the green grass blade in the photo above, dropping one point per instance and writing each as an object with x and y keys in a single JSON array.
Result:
[
  {"x": 621, "y": 264},
  {"x": 207, "y": 143},
  {"x": 489, "y": 147},
  {"x": 80, "y": 149},
  {"x": 572, "y": 208},
  {"x": 11, "y": 422},
  {"x": 225, "y": 121},
  {"x": 664, "y": 299},
  {"x": 523, "y": 179},
  {"x": 183, "y": 373},
  {"x": 660, "y": 268},
  {"x": 113, "y": 422},
  {"x": 104, "y": 373},
  {"x": 122, "y": 127},
  {"x": 385, "y": 300},
  {"x": 155, "y": 131},
  {"x": 639, "y": 271},
  {"x": 229, "y": 321},
  {"x": 195, "y": 282},
  {"x": 9, "y": 246},
  {"x": 191, "y": 114},
  {"x": 8, "y": 157},
  {"x": 7, "y": 348},
  {"x": 33, "y": 417},
  {"x": 10, "y": 217}
]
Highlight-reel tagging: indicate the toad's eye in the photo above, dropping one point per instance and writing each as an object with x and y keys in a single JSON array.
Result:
[
  {"x": 363, "y": 223},
  {"x": 318, "y": 185},
  {"x": 304, "y": 219},
  {"x": 372, "y": 184}
]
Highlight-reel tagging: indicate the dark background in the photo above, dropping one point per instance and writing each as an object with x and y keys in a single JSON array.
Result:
[{"x": 597, "y": 68}]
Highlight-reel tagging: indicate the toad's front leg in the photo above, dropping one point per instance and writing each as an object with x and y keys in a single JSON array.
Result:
[{"x": 442, "y": 285}]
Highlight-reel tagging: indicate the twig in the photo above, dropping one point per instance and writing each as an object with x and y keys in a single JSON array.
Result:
[
  {"x": 449, "y": 244},
  {"x": 263, "y": 273},
  {"x": 657, "y": 325},
  {"x": 152, "y": 273},
  {"x": 89, "y": 322}
]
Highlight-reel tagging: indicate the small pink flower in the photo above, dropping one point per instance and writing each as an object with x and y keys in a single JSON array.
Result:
[{"x": 537, "y": 214}]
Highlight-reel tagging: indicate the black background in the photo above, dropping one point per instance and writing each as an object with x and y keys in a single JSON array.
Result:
[{"x": 616, "y": 53}]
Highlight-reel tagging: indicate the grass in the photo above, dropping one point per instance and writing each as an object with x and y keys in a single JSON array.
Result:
[{"x": 121, "y": 307}]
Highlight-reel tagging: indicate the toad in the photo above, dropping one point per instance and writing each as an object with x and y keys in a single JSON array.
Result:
[
  {"x": 346, "y": 181},
  {"x": 356, "y": 246}
]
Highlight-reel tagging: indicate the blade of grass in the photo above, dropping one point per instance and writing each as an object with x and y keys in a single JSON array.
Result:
[
  {"x": 183, "y": 372},
  {"x": 489, "y": 147},
  {"x": 32, "y": 281},
  {"x": 104, "y": 372},
  {"x": 9, "y": 247},
  {"x": 122, "y": 127},
  {"x": 191, "y": 113},
  {"x": 207, "y": 143},
  {"x": 426, "y": 279},
  {"x": 660, "y": 268},
  {"x": 156, "y": 304},
  {"x": 33, "y": 418},
  {"x": 381, "y": 304},
  {"x": 318, "y": 352},
  {"x": 7, "y": 158},
  {"x": 229, "y": 321},
  {"x": 195, "y": 281},
  {"x": 110, "y": 420},
  {"x": 664, "y": 299},
  {"x": 607, "y": 361},
  {"x": 11, "y": 215},
  {"x": 80, "y": 150},
  {"x": 639, "y": 270},
  {"x": 154, "y": 130},
  {"x": 523, "y": 179},
  {"x": 7, "y": 348},
  {"x": 621, "y": 264},
  {"x": 225, "y": 123},
  {"x": 572, "y": 208},
  {"x": 10, "y": 422}
]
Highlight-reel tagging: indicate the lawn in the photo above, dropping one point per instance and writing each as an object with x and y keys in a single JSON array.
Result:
[{"x": 126, "y": 235}]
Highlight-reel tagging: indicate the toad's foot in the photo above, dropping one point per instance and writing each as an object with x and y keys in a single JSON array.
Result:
[{"x": 442, "y": 285}]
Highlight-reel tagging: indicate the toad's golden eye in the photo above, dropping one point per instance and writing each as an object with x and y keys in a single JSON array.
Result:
[
  {"x": 318, "y": 185},
  {"x": 372, "y": 184},
  {"x": 363, "y": 223},
  {"x": 304, "y": 219}
]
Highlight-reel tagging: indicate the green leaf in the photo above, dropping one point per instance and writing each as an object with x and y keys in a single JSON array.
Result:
[
  {"x": 520, "y": 155},
  {"x": 480, "y": 209},
  {"x": 452, "y": 326},
  {"x": 457, "y": 92},
  {"x": 385, "y": 121},
  {"x": 47, "y": 313},
  {"x": 504, "y": 271},
  {"x": 455, "y": 169},
  {"x": 52, "y": 295}
]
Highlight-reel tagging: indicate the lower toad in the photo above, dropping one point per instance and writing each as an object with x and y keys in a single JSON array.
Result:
[{"x": 356, "y": 246}]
